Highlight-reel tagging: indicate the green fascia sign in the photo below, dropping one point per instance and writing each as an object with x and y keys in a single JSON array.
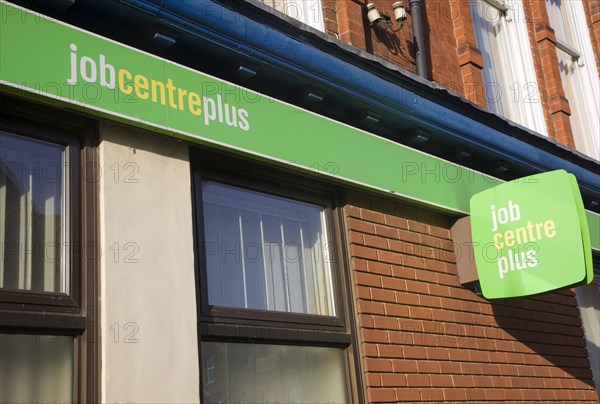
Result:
[
  {"x": 42, "y": 58},
  {"x": 531, "y": 236}
]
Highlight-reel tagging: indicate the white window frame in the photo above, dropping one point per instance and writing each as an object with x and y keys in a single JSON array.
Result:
[
  {"x": 510, "y": 81},
  {"x": 310, "y": 12},
  {"x": 578, "y": 72}
]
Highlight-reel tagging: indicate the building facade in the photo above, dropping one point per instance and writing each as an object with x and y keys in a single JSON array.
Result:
[{"x": 240, "y": 201}]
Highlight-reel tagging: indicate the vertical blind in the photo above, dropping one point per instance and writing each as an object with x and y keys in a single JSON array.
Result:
[
  {"x": 265, "y": 252},
  {"x": 32, "y": 215}
]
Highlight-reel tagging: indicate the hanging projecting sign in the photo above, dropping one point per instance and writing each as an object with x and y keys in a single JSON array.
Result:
[{"x": 531, "y": 236}]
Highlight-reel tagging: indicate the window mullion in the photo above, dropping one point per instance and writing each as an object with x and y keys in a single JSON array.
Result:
[
  {"x": 25, "y": 242},
  {"x": 304, "y": 280},
  {"x": 319, "y": 272},
  {"x": 49, "y": 263},
  {"x": 264, "y": 255},
  {"x": 328, "y": 273},
  {"x": 219, "y": 247},
  {"x": 242, "y": 258},
  {"x": 3, "y": 211},
  {"x": 285, "y": 272},
  {"x": 65, "y": 249}
]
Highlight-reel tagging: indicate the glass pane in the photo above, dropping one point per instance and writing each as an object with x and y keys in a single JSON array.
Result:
[
  {"x": 36, "y": 369},
  {"x": 252, "y": 373},
  {"x": 32, "y": 215},
  {"x": 265, "y": 252},
  {"x": 564, "y": 29}
]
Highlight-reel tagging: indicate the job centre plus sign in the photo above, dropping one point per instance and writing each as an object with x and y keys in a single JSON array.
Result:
[{"x": 538, "y": 235}]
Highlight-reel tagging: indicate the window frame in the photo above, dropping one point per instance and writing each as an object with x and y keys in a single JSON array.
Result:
[
  {"x": 57, "y": 314},
  {"x": 54, "y": 301},
  {"x": 255, "y": 316},
  {"x": 239, "y": 325}
]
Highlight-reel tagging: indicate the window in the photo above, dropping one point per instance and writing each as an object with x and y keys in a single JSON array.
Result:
[
  {"x": 211, "y": 370},
  {"x": 309, "y": 12},
  {"x": 277, "y": 374},
  {"x": 511, "y": 86},
  {"x": 46, "y": 326},
  {"x": 578, "y": 72},
  {"x": 43, "y": 361},
  {"x": 34, "y": 219},
  {"x": 271, "y": 322},
  {"x": 265, "y": 252}
]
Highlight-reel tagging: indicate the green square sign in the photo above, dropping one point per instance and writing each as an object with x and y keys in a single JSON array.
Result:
[{"x": 530, "y": 236}]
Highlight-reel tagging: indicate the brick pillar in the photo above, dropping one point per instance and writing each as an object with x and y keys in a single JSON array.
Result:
[
  {"x": 552, "y": 86},
  {"x": 592, "y": 13},
  {"x": 543, "y": 45},
  {"x": 350, "y": 23},
  {"x": 470, "y": 59},
  {"x": 330, "y": 16}
]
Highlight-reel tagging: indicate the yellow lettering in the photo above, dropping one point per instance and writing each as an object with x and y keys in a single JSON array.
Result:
[
  {"x": 538, "y": 227},
  {"x": 521, "y": 234},
  {"x": 194, "y": 103},
  {"x": 509, "y": 238},
  {"x": 160, "y": 86},
  {"x": 181, "y": 93},
  {"x": 550, "y": 228},
  {"x": 525, "y": 234},
  {"x": 159, "y": 91},
  {"x": 141, "y": 83},
  {"x": 499, "y": 244},
  {"x": 171, "y": 89},
  {"x": 125, "y": 89}
]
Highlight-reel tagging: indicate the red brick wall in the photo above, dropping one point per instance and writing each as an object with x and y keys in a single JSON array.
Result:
[
  {"x": 438, "y": 27},
  {"x": 423, "y": 337},
  {"x": 330, "y": 16},
  {"x": 454, "y": 60},
  {"x": 353, "y": 28}
]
